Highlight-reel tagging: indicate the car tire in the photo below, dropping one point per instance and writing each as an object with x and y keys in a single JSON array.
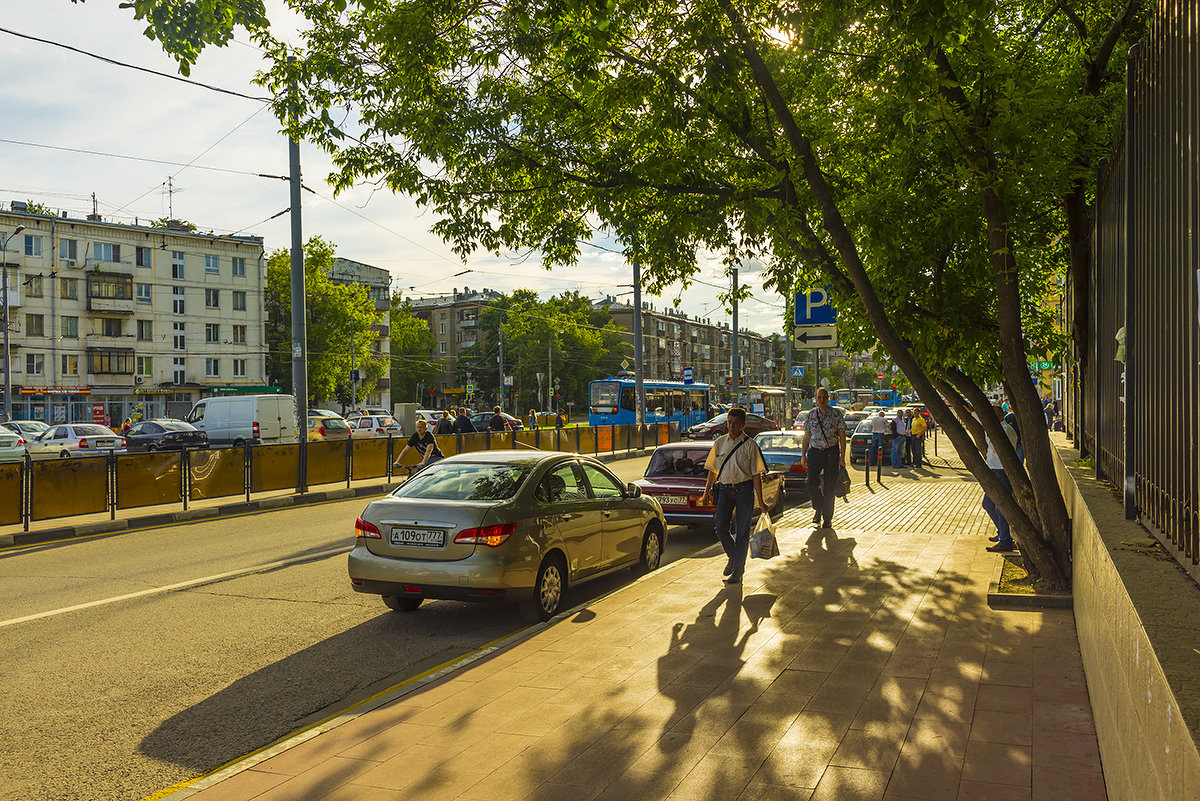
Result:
[
  {"x": 652, "y": 549},
  {"x": 398, "y": 604},
  {"x": 548, "y": 590},
  {"x": 64, "y": 455},
  {"x": 151, "y": 448}
]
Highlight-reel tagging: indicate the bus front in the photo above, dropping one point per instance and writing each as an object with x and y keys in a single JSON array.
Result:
[{"x": 604, "y": 403}]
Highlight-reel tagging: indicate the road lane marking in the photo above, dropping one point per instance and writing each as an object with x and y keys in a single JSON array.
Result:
[{"x": 178, "y": 585}]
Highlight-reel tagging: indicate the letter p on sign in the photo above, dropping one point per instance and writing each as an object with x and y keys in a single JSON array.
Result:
[{"x": 813, "y": 307}]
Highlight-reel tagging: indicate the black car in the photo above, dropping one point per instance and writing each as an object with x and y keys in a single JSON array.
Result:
[
  {"x": 482, "y": 420},
  {"x": 164, "y": 434}
]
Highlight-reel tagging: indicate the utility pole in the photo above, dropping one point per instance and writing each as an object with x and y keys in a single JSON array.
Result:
[
  {"x": 353, "y": 377},
  {"x": 639, "y": 388},
  {"x": 299, "y": 333},
  {"x": 7, "y": 352},
  {"x": 735, "y": 371},
  {"x": 500, "y": 328},
  {"x": 787, "y": 370}
]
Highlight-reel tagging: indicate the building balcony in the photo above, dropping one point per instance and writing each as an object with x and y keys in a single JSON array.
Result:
[
  {"x": 468, "y": 323},
  {"x": 14, "y": 293},
  {"x": 380, "y": 331},
  {"x": 469, "y": 343},
  {"x": 383, "y": 383},
  {"x": 383, "y": 304},
  {"x": 112, "y": 305},
  {"x": 102, "y": 341}
]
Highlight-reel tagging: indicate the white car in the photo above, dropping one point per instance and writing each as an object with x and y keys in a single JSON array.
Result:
[
  {"x": 375, "y": 425},
  {"x": 75, "y": 439},
  {"x": 12, "y": 446},
  {"x": 28, "y": 429}
]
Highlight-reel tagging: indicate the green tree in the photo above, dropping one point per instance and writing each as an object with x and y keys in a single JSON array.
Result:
[
  {"x": 915, "y": 156},
  {"x": 412, "y": 344},
  {"x": 334, "y": 313}
]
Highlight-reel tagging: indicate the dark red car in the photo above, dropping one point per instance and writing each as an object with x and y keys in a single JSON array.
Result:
[
  {"x": 711, "y": 429},
  {"x": 675, "y": 478}
]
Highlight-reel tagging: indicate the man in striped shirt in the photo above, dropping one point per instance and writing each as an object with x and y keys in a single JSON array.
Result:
[{"x": 824, "y": 449}]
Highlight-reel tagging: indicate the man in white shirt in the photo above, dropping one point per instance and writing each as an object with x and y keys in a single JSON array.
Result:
[
  {"x": 735, "y": 467},
  {"x": 1004, "y": 543},
  {"x": 824, "y": 454},
  {"x": 879, "y": 432}
]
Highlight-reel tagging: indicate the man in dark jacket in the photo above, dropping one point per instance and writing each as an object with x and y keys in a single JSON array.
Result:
[{"x": 462, "y": 423}]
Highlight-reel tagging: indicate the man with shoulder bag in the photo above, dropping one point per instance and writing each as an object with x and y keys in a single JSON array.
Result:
[
  {"x": 735, "y": 468},
  {"x": 824, "y": 456}
]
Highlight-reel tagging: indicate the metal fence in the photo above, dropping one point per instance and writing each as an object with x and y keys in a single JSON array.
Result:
[
  {"x": 35, "y": 491},
  {"x": 1139, "y": 418}
]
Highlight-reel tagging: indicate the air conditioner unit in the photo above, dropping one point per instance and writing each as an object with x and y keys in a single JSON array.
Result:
[
  {"x": 71, "y": 262},
  {"x": 137, "y": 379}
]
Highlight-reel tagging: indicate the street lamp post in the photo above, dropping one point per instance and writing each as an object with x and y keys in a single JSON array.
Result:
[{"x": 7, "y": 352}]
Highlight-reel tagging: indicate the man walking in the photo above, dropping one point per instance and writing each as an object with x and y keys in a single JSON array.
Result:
[
  {"x": 1004, "y": 542},
  {"x": 735, "y": 468},
  {"x": 823, "y": 455},
  {"x": 900, "y": 440}
]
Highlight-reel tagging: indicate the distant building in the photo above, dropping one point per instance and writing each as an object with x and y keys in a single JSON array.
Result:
[
  {"x": 378, "y": 283},
  {"x": 454, "y": 321},
  {"x": 109, "y": 320}
]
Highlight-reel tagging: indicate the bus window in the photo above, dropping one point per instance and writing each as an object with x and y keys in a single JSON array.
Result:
[
  {"x": 604, "y": 397},
  {"x": 628, "y": 398}
]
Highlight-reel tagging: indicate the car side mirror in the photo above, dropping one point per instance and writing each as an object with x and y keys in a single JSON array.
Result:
[{"x": 634, "y": 490}]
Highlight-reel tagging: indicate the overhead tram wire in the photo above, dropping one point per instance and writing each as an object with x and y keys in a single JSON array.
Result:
[{"x": 142, "y": 159}]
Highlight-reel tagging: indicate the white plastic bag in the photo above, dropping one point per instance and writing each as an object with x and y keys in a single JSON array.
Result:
[{"x": 762, "y": 541}]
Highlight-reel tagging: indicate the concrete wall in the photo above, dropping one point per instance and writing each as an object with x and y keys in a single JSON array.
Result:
[{"x": 1138, "y": 617}]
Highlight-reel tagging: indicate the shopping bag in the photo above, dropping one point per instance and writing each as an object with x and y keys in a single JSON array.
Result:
[
  {"x": 843, "y": 484},
  {"x": 762, "y": 541}
]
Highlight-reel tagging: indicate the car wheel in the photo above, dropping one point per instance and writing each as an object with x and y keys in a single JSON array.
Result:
[
  {"x": 397, "y": 604},
  {"x": 549, "y": 589},
  {"x": 652, "y": 549},
  {"x": 151, "y": 448},
  {"x": 64, "y": 455},
  {"x": 237, "y": 443}
]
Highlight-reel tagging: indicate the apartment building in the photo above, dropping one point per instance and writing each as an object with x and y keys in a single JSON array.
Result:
[
  {"x": 672, "y": 340},
  {"x": 454, "y": 320},
  {"x": 378, "y": 283},
  {"x": 109, "y": 320}
]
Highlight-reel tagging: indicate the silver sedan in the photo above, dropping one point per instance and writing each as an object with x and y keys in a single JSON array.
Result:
[
  {"x": 75, "y": 439},
  {"x": 508, "y": 526}
]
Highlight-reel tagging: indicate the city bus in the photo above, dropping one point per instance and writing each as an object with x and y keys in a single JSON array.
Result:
[
  {"x": 770, "y": 402},
  {"x": 611, "y": 401}
]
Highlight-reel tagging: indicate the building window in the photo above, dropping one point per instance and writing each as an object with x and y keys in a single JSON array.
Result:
[
  {"x": 102, "y": 251},
  {"x": 142, "y": 257},
  {"x": 145, "y": 330},
  {"x": 35, "y": 364},
  {"x": 109, "y": 285},
  {"x": 177, "y": 263},
  {"x": 68, "y": 288},
  {"x": 239, "y": 368},
  {"x": 443, "y": 328},
  {"x": 212, "y": 367},
  {"x": 239, "y": 335},
  {"x": 145, "y": 365},
  {"x": 70, "y": 364},
  {"x": 180, "y": 371},
  {"x": 107, "y": 326},
  {"x": 33, "y": 286},
  {"x": 212, "y": 265},
  {"x": 70, "y": 328},
  {"x": 442, "y": 347},
  {"x": 144, "y": 292},
  {"x": 239, "y": 267},
  {"x": 239, "y": 301},
  {"x": 212, "y": 332},
  {"x": 35, "y": 325},
  {"x": 68, "y": 249},
  {"x": 177, "y": 300},
  {"x": 458, "y": 336},
  {"x": 180, "y": 339},
  {"x": 33, "y": 245},
  {"x": 110, "y": 361},
  {"x": 212, "y": 298}
]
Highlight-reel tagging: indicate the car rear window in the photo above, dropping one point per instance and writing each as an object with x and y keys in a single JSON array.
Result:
[
  {"x": 176, "y": 425},
  {"x": 465, "y": 481},
  {"x": 780, "y": 441},
  {"x": 678, "y": 462},
  {"x": 334, "y": 424},
  {"x": 387, "y": 421},
  {"x": 93, "y": 431}
]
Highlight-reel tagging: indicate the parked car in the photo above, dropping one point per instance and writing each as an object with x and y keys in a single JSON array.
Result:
[
  {"x": 430, "y": 416},
  {"x": 12, "y": 446},
  {"x": 75, "y": 439},
  {"x": 920, "y": 407},
  {"x": 798, "y": 423},
  {"x": 853, "y": 418},
  {"x": 675, "y": 477},
  {"x": 323, "y": 428},
  {"x": 482, "y": 420},
  {"x": 782, "y": 451},
  {"x": 711, "y": 429},
  {"x": 503, "y": 526},
  {"x": 164, "y": 434},
  {"x": 860, "y": 443},
  {"x": 375, "y": 425},
  {"x": 238, "y": 419},
  {"x": 322, "y": 413},
  {"x": 27, "y": 428}
]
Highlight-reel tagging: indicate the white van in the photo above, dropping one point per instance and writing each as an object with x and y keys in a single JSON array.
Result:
[{"x": 237, "y": 419}]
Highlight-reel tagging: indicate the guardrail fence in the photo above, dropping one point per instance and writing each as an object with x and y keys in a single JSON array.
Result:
[
  {"x": 41, "y": 490},
  {"x": 1138, "y": 417}
]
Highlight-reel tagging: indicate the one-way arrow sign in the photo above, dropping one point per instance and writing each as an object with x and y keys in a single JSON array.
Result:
[{"x": 816, "y": 336}]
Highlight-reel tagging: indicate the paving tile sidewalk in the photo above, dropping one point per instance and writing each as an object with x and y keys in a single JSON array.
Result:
[{"x": 864, "y": 664}]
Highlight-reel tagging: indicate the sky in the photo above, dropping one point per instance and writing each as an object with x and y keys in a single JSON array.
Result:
[{"x": 53, "y": 99}]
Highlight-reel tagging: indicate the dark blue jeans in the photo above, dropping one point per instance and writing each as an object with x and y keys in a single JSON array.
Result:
[
  {"x": 877, "y": 444},
  {"x": 735, "y": 513},
  {"x": 823, "y": 474},
  {"x": 1003, "y": 538}
]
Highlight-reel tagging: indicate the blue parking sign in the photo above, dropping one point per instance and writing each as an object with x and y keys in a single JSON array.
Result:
[{"x": 813, "y": 307}]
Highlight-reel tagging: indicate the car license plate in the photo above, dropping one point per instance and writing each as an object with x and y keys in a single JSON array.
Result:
[
  {"x": 105, "y": 443},
  {"x": 673, "y": 500},
  {"x": 418, "y": 537}
]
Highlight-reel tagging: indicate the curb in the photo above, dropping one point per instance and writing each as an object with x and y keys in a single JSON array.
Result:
[
  {"x": 164, "y": 519},
  {"x": 1022, "y": 601}
]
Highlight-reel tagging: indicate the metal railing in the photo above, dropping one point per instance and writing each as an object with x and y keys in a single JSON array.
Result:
[
  {"x": 1138, "y": 418},
  {"x": 42, "y": 490}
]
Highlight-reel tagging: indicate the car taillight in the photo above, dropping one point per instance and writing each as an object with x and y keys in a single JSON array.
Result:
[
  {"x": 122, "y": 442},
  {"x": 798, "y": 468},
  {"x": 488, "y": 535},
  {"x": 20, "y": 441},
  {"x": 254, "y": 433},
  {"x": 380, "y": 431},
  {"x": 365, "y": 530},
  {"x": 83, "y": 443},
  {"x": 321, "y": 430}
]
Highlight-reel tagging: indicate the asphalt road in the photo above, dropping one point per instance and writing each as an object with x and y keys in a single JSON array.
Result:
[{"x": 136, "y": 661}]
